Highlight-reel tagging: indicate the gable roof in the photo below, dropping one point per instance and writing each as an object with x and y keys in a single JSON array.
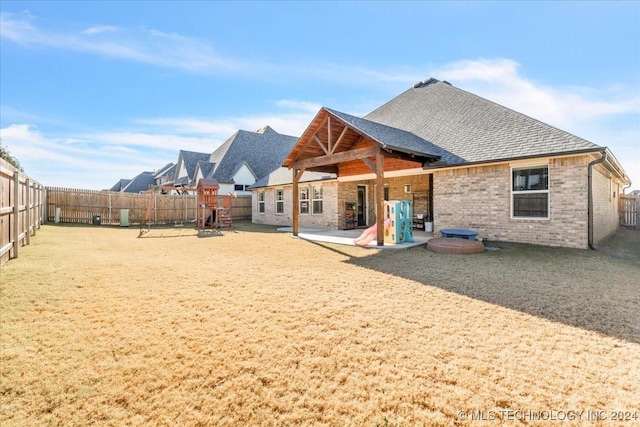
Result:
[
  {"x": 166, "y": 171},
  {"x": 262, "y": 151},
  {"x": 390, "y": 137},
  {"x": 189, "y": 159},
  {"x": 140, "y": 183},
  {"x": 120, "y": 185},
  {"x": 206, "y": 169},
  {"x": 470, "y": 128}
]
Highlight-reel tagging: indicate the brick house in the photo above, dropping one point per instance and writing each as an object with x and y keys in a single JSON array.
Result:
[{"x": 464, "y": 162}]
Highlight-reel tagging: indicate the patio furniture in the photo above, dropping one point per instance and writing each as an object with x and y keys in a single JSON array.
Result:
[{"x": 459, "y": 232}]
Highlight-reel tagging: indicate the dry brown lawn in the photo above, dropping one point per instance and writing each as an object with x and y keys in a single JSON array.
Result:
[{"x": 100, "y": 327}]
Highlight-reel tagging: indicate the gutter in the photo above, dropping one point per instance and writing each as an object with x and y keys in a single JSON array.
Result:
[{"x": 590, "y": 202}]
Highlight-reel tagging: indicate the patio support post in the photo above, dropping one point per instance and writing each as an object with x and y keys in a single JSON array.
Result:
[
  {"x": 380, "y": 198},
  {"x": 297, "y": 174},
  {"x": 296, "y": 201}
]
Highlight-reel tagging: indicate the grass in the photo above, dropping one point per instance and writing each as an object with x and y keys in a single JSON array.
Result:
[{"x": 100, "y": 327}]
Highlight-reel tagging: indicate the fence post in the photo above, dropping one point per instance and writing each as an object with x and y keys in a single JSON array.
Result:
[
  {"x": 27, "y": 216},
  {"x": 16, "y": 213}
]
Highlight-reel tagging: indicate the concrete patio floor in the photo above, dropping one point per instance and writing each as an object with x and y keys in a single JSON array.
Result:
[{"x": 347, "y": 237}]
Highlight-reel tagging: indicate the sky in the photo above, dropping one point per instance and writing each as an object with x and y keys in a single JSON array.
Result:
[{"x": 92, "y": 92}]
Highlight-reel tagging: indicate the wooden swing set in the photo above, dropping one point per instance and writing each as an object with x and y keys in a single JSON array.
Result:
[{"x": 213, "y": 210}]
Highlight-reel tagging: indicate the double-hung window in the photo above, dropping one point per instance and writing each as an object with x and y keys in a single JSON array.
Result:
[
  {"x": 261, "y": 202},
  {"x": 304, "y": 200},
  {"x": 279, "y": 201},
  {"x": 530, "y": 192},
  {"x": 317, "y": 200}
]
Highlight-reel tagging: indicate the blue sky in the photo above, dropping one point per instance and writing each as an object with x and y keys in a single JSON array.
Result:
[{"x": 91, "y": 92}]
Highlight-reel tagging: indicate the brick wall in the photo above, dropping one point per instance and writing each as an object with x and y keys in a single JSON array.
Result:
[
  {"x": 327, "y": 220},
  {"x": 479, "y": 198},
  {"x": 348, "y": 192},
  {"x": 606, "y": 193}
]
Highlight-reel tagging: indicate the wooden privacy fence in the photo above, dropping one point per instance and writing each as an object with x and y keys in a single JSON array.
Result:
[
  {"x": 21, "y": 210},
  {"x": 629, "y": 211},
  {"x": 69, "y": 205}
]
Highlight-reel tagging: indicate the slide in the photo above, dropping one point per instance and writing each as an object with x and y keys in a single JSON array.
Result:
[{"x": 370, "y": 233}]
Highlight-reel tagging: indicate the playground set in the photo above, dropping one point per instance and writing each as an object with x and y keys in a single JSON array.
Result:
[
  {"x": 213, "y": 211},
  {"x": 398, "y": 224}
]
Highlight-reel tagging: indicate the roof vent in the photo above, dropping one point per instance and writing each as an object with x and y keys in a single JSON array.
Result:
[
  {"x": 425, "y": 83},
  {"x": 263, "y": 129}
]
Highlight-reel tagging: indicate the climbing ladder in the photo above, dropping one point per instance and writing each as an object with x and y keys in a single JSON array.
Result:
[{"x": 224, "y": 212}]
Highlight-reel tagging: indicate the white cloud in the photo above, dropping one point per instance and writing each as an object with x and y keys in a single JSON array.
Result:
[
  {"x": 135, "y": 44},
  {"x": 606, "y": 115},
  {"x": 565, "y": 107}
]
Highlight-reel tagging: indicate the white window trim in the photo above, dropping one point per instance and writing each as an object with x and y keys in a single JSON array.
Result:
[
  {"x": 279, "y": 201},
  {"x": 301, "y": 200},
  {"x": 547, "y": 191},
  {"x": 261, "y": 203},
  {"x": 313, "y": 200}
]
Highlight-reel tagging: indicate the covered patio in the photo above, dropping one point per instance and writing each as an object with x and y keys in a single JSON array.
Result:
[
  {"x": 349, "y": 146},
  {"x": 347, "y": 237}
]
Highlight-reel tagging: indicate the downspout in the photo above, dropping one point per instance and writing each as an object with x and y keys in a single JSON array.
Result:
[{"x": 590, "y": 198}]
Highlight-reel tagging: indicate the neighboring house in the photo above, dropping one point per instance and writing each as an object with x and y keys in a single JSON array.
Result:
[
  {"x": 164, "y": 174},
  {"x": 120, "y": 185},
  {"x": 184, "y": 172},
  {"x": 245, "y": 158},
  {"x": 464, "y": 162},
  {"x": 140, "y": 183}
]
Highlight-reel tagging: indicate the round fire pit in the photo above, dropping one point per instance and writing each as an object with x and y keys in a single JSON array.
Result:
[{"x": 455, "y": 245}]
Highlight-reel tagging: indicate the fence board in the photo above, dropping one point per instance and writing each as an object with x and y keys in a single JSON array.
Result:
[
  {"x": 21, "y": 210},
  {"x": 629, "y": 211},
  {"x": 80, "y": 206}
]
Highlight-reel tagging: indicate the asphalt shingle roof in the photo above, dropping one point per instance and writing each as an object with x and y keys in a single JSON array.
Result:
[
  {"x": 120, "y": 185},
  {"x": 391, "y": 137},
  {"x": 470, "y": 128},
  {"x": 190, "y": 160},
  {"x": 262, "y": 151},
  {"x": 140, "y": 183}
]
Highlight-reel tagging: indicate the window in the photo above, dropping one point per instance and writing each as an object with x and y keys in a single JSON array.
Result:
[
  {"x": 261, "y": 202},
  {"x": 304, "y": 200},
  {"x": 530, "y": 192},
  {"x": 238, "y": 187},
  {"x": 317, "y": 200},
  {"x": 279, "y": 201}
]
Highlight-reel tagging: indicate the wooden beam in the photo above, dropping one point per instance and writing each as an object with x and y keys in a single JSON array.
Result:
[
  {"x": 371, "y": 165},
  {"x": 329, "y": 134},
  {"x": 339, "y": 140},
  {"x": 332, "y": 159},
  {"x": 380, "y": 199},
  {"x": 321, "y": 144}
]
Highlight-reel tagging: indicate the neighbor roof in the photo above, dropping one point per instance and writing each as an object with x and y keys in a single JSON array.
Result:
[
  {"x": 470, "y": 128},
  {"x": 262, "y": 151},
  {"x": 120, "y": 185},
  {"x": 190, "y": 159},
  {"x": 140, "y": 183}
]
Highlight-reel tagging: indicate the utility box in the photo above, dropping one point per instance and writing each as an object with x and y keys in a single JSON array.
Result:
[
  {"x": 96, "y": 220},
  {"x": 124, "y": 217}
]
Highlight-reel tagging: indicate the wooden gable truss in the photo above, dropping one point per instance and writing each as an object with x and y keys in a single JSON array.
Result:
[{"x": 332, "y": 145}]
